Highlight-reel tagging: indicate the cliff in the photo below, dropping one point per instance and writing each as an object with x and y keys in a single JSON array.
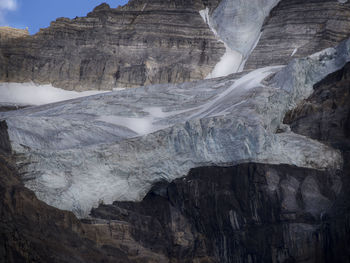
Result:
[
  {"x": 116, "y": 48},
  {"x": 297, "y": 28}
]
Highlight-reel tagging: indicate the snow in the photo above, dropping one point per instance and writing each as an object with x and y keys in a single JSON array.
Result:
[
  {"x": 32, "y": 94},
  {"x": 205, "y": 15},
  {"x": 230, "y": 62},
  {"x": 248, "y": 81},
  {"x": 138, "y": 125},
  {"x": 238, "y": 24}
]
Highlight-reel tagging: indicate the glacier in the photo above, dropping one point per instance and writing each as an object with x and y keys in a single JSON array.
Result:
[{"x": 115, "y": 146}]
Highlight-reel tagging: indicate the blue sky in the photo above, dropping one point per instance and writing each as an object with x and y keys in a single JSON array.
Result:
[{"x": 36, "y": 14}]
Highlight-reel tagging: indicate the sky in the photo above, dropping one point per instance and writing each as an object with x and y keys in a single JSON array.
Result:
[{"x": 36, "y": 14}]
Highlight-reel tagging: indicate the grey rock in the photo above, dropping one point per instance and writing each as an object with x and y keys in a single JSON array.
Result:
[
  {"x": 142, "y": 43},
  {"x": 297, "y": 28},
  {"x": 7, "y": 33},
  {"x": 315, "y": 203},
  {"x": 289, "y": 190}
]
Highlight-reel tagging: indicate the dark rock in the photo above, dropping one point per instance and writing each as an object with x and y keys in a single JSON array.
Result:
[
  {"x": 325, "y": 115},
  {"x": 5, "y": 145},
  {"x": 145, "y": 42},
  {"x": 245, "y": 213}
]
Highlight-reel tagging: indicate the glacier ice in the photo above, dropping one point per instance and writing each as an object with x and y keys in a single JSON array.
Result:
[
  {"x": 237, "y": 24},
  {"x": 231, "y": 61},
  {"x": 115, "y": 146}
]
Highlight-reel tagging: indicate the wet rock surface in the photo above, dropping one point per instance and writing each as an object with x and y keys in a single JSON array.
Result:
[
  {"x": 143, "y": 43},
  {"x": 245, "y": 213}
]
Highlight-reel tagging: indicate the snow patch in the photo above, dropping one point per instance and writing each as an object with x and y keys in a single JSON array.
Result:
[
  {"x": 229, "y": 63},
  {"x": 31, "y": 94},
  {"x": 140, "y": 126}
]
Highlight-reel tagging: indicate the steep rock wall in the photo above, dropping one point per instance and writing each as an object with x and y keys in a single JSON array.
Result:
[
  {"x": 246, "y": 213},
  {"x": 141, "y": 43},
  {"x": 297, "y": 28}
]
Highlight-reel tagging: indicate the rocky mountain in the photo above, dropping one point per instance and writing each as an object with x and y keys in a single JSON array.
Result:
[
  {"x": 249, "y": 167},
  {"x": 150, "y": 42},
  {"x": 136, "y": 45}
]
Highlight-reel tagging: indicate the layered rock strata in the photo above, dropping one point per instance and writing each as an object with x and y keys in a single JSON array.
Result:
[
  {"x": 159, "y": 42},
  {"x": 297, "y": 28},
  {"x": 7, "y": 33}
]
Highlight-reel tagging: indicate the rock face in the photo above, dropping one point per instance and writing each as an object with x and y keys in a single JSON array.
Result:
[
  {"x": 325, "y": 116},
  {"x": 139, "y": 44},
  {"x": 297, "y": 28},
  {"x": 245, "y": 213},
  {"x": 7, "y": 33}
]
